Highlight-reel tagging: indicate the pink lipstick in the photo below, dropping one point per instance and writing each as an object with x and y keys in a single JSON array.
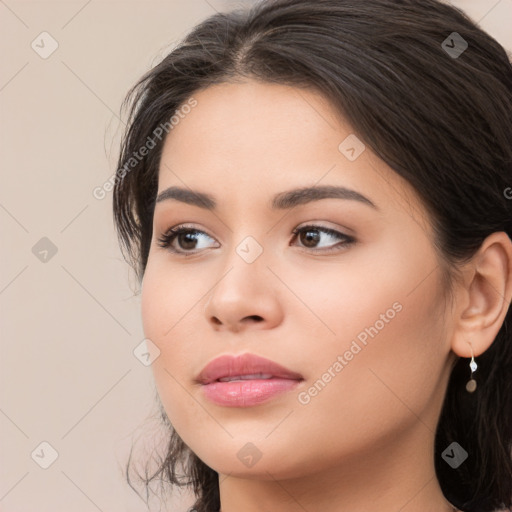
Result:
[{"x": 245, "y": 380}]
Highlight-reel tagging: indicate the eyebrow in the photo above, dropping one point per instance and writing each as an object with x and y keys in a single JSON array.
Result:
[{"x": 281, "y": 201}]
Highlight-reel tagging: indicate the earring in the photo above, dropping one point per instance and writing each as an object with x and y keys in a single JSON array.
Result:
[{"x": 471, "y": 384}]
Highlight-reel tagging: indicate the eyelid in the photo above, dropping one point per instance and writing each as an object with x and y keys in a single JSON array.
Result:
[{"x": 321, "y": 224}]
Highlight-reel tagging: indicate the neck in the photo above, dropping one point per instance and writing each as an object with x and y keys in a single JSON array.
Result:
[{"x": 399, "y": 475}]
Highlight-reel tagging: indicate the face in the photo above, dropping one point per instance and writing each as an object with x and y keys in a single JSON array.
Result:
[{"x": 343, "y": 293}]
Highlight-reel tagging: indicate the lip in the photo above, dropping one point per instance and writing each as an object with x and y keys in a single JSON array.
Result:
[{"x": 245, "y": 393}]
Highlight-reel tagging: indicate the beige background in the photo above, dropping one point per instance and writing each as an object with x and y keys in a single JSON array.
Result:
[{"x": 70, "y": 324}]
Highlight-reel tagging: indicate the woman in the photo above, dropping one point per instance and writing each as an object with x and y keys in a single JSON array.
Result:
[{"x": 316, "y": 197}]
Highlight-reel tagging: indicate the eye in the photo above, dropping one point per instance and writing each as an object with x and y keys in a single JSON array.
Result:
[
  {"x": 311, "y": 235},
  {"x": 187, "y": 239}
]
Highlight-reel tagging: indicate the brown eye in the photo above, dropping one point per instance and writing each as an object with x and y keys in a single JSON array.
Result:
[
  {"x": 311, "y": 236},
  {"x": 187, "y": 239}
]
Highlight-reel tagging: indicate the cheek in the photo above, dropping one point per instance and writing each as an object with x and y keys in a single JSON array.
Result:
[
  {"x": 385, "y": 323},
  {"x": 169, "y": 297},
  {"x": 339, "y": 299},
  {"x": 382, "y": 386},
  {"x": 166, "y": 305}
]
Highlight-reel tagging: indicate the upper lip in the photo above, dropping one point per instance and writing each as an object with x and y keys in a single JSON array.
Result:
[{"x": 245, "y": 364}]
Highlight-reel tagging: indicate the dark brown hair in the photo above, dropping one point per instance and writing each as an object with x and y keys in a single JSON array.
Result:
[{"x": 436, "y": 111}]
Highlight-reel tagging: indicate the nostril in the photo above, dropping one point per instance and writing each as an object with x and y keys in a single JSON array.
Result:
[{"x": 254, "y": 317}]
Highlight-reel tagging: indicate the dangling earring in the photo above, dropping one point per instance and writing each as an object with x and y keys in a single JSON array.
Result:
[{"x": 471, "y": 385}]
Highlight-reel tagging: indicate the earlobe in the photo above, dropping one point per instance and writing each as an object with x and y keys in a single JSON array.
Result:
[{"x": 487, "y": 295}]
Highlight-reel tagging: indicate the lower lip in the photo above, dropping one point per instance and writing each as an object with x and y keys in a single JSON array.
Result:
[{"x": 246, "y": 393}]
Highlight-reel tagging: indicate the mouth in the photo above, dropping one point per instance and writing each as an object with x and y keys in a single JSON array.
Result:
[
  {"x": 244, "y": 367},
  {"x": 253, "y": 376},
  {"x": 245, "y": 380}
]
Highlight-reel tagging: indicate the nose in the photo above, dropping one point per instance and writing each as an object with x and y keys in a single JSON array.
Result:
[{"x": 245, "y": 297}]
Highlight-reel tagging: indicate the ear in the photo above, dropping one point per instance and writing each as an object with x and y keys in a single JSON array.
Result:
[{"x": 485, "y": 296}]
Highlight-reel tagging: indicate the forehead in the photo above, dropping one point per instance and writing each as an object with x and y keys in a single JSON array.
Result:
[
  {"x": 252, "y": 124},
  {"x": 241, "y": 139}
]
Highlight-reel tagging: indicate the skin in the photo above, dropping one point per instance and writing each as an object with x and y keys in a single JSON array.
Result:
[{"x": 367, "y": 437}]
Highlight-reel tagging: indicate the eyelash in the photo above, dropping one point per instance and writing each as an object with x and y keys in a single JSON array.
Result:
[{"x": 168, "y": 237}]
